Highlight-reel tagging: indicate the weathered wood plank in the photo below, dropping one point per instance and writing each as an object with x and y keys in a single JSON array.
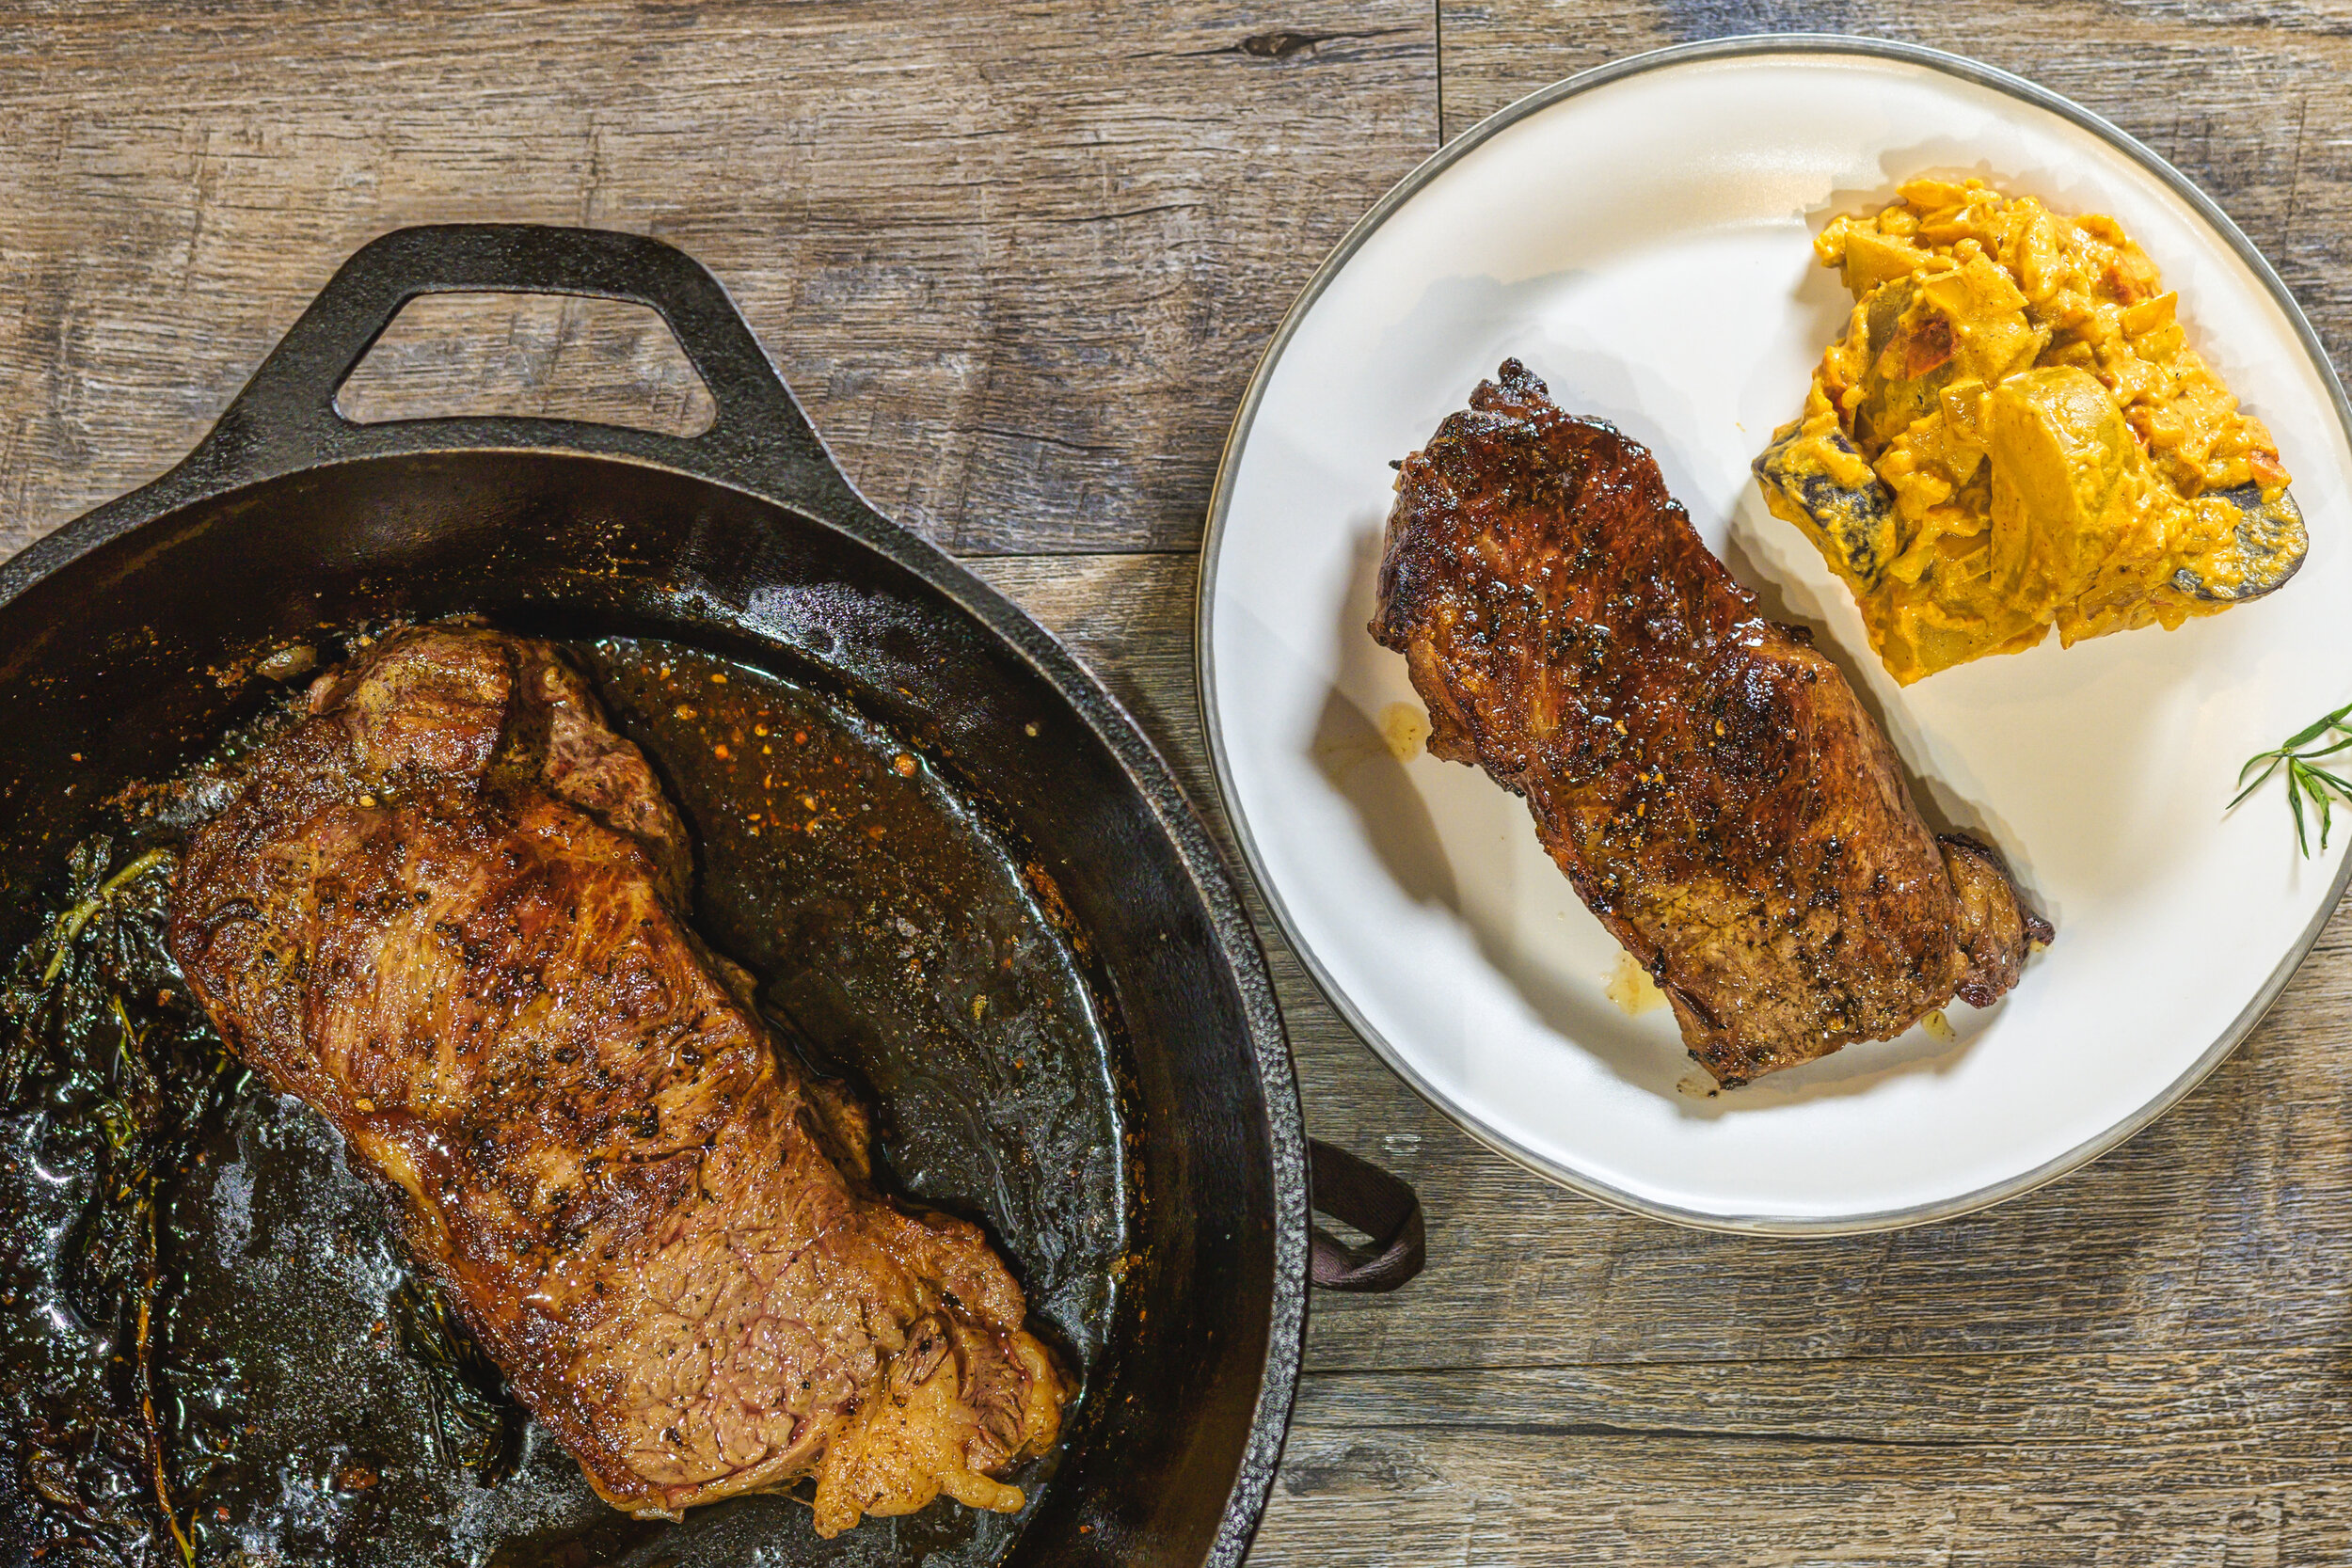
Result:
[
  {"x": 2026, "y": 1459},
  {"x": 541, "y": 357},
  {"x": 1018, "y": 259},
  {"x": 2179, "y": 1402},
  {"x": 1408, "y": 1498}
]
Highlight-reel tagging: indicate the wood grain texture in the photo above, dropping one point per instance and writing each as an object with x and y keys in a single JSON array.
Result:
[
  {"x": 537, "y": 356},
  {"x": 1019, "y": 260}
]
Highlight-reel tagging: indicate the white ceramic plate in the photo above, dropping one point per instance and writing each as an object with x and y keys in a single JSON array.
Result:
[{"x": 1641, "y": 237}]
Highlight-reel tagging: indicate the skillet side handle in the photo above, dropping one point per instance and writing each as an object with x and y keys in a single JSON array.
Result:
[
  {"x": 1356, "y": 1193},
  {"x": 285, "y": 418}
]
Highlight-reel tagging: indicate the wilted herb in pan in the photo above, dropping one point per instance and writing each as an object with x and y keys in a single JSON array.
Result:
[
  {"x": 2301, "y": 757},
  {"x": 71, "y": 923},
  {"x": 105, "y": 1054},
  {"x": 101, "y": 1001}
]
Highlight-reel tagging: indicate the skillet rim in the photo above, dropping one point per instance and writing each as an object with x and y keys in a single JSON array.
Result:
[{"x": 778, "y": 462}]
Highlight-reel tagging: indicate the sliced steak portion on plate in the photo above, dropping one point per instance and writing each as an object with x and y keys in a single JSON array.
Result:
[
  {"x": 447, "y": 913},
  {"x": 1708, "y": 781}
]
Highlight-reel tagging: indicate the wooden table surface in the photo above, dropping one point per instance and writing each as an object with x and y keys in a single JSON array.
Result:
[{"x": 1019, "y": 260}]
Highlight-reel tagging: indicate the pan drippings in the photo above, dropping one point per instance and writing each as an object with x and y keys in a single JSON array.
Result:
[{"x": 213, "y": 1347}]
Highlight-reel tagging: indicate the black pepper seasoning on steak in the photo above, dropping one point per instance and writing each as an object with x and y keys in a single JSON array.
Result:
[{"x": 1708, "y": 783}]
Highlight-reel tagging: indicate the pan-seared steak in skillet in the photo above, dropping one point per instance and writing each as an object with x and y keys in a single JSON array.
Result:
[
  {"x": 1706, "y": 779},
  {"x": 447, "y": 911}
]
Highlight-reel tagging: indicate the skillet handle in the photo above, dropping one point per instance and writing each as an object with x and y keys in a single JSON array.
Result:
[
  {"x": 285, "y": 417},
  {"x": 1360, "y": 1194}
]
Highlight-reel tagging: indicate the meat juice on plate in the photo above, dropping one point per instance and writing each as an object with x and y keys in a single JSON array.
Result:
[{"x": 298, "y": 1398}]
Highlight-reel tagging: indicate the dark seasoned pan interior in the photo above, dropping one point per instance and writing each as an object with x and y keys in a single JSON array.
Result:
[
  {"x": 987, "y": 930},
  {"x": 902, "y": 944}
]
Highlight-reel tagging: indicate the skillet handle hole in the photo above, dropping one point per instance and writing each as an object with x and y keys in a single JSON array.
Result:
[{"x": 550, "y": 357}]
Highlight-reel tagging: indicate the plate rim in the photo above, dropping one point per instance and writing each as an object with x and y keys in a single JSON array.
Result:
[{"x": 1745, "y": 45}]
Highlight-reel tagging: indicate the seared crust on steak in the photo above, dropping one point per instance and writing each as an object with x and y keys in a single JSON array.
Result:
[
  {"x": 447, "y": 911},
  {"x": 1710, "y": 783}
]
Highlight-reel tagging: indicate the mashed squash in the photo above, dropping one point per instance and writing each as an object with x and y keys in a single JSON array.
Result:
[{"x": 2014, "y": 434}]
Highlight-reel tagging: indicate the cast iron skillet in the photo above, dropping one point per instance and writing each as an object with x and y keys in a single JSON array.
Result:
[{"x": 122, "y": 636}]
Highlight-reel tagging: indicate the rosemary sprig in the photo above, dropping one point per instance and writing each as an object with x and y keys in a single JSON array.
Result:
[
  {"x": 132, "y": 1050},
  {"x": 71, "y": 923},
  {"x": 2301, "y": 757}
]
